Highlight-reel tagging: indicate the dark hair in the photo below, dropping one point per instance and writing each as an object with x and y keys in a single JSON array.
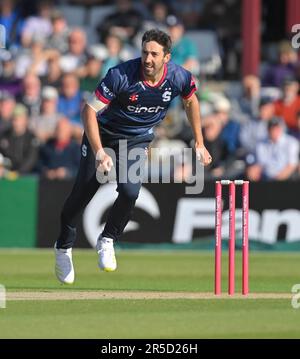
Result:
[{"x": 160, "y": 37}]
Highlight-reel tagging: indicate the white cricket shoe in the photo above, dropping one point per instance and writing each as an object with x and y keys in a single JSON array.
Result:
[
  {"x": 106, "y": 252},
  {"x": 64, "y": 265}
]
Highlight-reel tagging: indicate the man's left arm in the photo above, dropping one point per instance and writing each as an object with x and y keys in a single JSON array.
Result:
[{"x": 192, "y": 109}]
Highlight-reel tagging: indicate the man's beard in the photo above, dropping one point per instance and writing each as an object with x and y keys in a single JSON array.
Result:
[{"x": 152, "y": 71}]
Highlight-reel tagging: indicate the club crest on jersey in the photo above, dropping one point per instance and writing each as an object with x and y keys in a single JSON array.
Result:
[
  {"x": 133, "y": 97},
  {"x": 166, "y": 96}
]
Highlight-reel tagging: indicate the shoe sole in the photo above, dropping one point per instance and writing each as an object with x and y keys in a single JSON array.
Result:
[
  {"x": 108, "y": 269},
  {"x": 66, "y": 283},
  {"x": 63, "y": 282}
]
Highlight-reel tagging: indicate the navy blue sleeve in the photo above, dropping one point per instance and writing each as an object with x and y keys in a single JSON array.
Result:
[
  {"x": 188, "y": 85},
  {"x": 109, "y": 87}
]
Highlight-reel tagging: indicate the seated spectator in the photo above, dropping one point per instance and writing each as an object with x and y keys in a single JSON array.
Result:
[
  {"x": 39, "y": 24},
  {"x": 159, "y": 11},
  {"x": 54, "y": 73},
  {"x": 166, "y": 159},
  {"x": 70, "y": 98},
  {"x": 184, "y": 51},
  {"x": 113, "y": 45},
  {"x": 112, "y": 52},
  {"x": 277, "y": 157},
  {"x": 60, "y": 156},
  {"x": 76, "y": 55},
  {"x": 223, "y": 18},
  {"x": 31, "y": 95},
  {"x": 289, "y": 106},
  {"x": 91, "y": 75},
  {"x": 157, "y": 19},
  {"x": 7, "y": 105},
  {"x": 214, "y": 143},
  {"x": 256, "y": 129},
  {"x": 183, "y": 169},
  {"x": 19, "y": 144},
  {"x": 230, "y": 128},
  {"x": 34, "y": 59},
  {"x": 11, "y": 19},
  {"x": 125, "y": 22},
  {"x": 60, "y": 33},
  {"x": 176, "y": 125},
  {"x": 8, "y": 79},
  {"x": 44, "y": 125},
  {"x": 286, "y": 66},
  {"x": 190, "y": 11},
  {"x": 247, "y": 105}
]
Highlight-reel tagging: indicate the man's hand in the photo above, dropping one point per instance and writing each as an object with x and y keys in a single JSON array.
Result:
[
  {"x": 203, "y": 155},
  {"x": 192, "y": 109},
  {"x": 104, "y": 162}
]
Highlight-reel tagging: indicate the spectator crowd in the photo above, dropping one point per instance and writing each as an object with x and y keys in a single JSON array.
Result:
[{"x": 49, "y": 67}]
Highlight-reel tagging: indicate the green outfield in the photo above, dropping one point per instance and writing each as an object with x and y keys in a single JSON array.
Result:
[{"x": 166, "y": 294}]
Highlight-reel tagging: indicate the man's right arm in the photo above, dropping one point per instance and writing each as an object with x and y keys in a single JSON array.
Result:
[{"x": 91, "y": 128}]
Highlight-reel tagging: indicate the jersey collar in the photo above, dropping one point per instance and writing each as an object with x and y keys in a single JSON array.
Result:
[{"x": 145, "y": 82}]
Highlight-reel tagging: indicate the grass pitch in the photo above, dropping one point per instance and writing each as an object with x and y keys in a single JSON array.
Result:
[{"x": 146, "y": 273}]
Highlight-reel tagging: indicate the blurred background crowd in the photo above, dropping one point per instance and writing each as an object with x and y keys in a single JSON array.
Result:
[{"x": 57, "y": 51}]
